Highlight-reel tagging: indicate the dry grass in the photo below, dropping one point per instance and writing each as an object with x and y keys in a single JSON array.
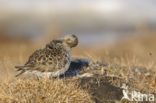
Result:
[
  {"x": 129, "y": 55},
  {"x": 41, "y": 91},
  {"x": 132, "y": 60}
]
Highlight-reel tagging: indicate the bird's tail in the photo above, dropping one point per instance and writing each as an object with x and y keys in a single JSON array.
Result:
[{"x": 20, "y": 68}]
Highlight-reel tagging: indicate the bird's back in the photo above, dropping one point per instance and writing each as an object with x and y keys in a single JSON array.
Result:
[
  {"x": 51, "y": 58},
  {"x": 55, "y": 57}
]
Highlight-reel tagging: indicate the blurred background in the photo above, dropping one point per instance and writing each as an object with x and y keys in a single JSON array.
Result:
[
  {"x": 94, "y": 21},
  {"x": 107, "y": 29}
]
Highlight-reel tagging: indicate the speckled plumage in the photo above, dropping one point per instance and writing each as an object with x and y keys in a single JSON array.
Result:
[{"x": 55, "y": 57}]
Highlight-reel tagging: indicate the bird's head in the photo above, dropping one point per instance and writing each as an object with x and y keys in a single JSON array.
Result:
[{"x": 70, "y": 40}]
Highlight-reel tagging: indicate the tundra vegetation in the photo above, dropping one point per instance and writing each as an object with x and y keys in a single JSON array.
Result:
[{"x": 131, "y": 61}]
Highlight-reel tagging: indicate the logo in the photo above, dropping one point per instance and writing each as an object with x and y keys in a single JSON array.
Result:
[{"x": 137, "y": 96}]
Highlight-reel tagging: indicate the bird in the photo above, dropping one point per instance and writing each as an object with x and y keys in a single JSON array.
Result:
[{"x": 54, "y": 58}]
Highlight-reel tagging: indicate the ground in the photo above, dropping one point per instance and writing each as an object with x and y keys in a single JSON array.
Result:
[{"x": 130, "y": 62}]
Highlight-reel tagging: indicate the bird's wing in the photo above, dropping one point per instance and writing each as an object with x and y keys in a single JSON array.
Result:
[
  {"x": 46, "y": 59},
  {"x": 36, "y": 59}
]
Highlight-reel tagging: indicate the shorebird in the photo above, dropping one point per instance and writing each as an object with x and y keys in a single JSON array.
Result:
[{"x": 54, "y": 59}]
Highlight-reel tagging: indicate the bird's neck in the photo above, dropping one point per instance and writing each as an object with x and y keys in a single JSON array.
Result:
[{"x": 67, "y": 47}]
